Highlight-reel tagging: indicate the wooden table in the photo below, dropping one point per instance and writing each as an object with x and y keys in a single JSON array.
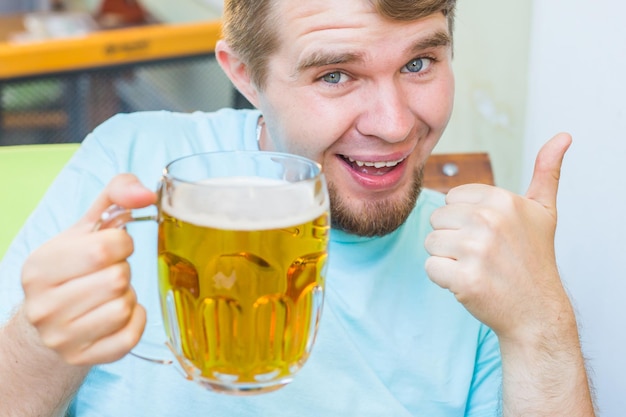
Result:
[{"x": 93, "y": 54}]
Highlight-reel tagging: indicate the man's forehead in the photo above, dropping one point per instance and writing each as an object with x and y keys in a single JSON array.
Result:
[
  {"x": 337, "y": 25},
  {"x": 308, "y": 8},
  {"x": 303, "y": 8},
  {"x": 296, "y": 17}
]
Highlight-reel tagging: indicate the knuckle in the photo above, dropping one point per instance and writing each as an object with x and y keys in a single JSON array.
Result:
[
  {"x": 478, "y": 247},
  {"x": 121, "y": 310},
  {"x": 31, "y": 276},
  {"x": 435, "y": 216},
  {"x": 429, "y": 242},
  {"x": 77, "y": 360},
  {"x": 507, "y": 202},
  {"x": 431, "y": 266},
  {"x": 39, "y": 310},
  {"x": 473, "y": 283},
  {"x": 82, "y": 357},
  {"x": 98, "y": 254},
  {"x": 435, "y": 268},
  {"x": 54, "y": 340},
  {"x": 112, "y": 246},
  {"x": 118, "y": 278},
  {"x": 128, "y": 340},
  {"x": 130, "y": 337},
  {"x": 486, "y": 217},
  {"x": 34, "y": 313},
  {"x": 136, "y": 326}
]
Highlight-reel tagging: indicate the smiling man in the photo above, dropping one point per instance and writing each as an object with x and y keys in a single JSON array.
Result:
[
  {"x": 371, "y": 97},
  {"x": 435, "y": 305},
  {"x": 368, "y": 98}
]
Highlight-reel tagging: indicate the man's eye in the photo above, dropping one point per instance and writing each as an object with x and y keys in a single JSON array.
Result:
[
  {"x": 418, "y": 65},
  {"x": 332, "y": 77}
]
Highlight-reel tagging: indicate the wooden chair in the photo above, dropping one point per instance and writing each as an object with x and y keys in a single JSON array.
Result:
[{"x": 445, "y": 171}]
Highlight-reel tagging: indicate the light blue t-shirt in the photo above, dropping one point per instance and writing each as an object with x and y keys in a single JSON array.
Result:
[{"x": 390, "y": 342}]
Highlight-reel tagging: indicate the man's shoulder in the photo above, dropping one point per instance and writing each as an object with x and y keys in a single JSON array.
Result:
[
  {"x": 174, "y": 134},
  {"x": 144, "y": 142},
  {"x": 166, "y": 121}
]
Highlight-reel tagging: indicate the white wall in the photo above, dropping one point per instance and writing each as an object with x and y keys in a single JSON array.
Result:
[
  {"x": 577, "y": 83},
  {"x": 490, "y": 64}
]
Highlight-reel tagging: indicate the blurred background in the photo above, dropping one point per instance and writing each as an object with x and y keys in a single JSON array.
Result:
[{"x": 525, "y": 71}]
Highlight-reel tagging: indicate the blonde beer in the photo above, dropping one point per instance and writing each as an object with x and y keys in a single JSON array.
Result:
[{"x": 242, "y": 283}]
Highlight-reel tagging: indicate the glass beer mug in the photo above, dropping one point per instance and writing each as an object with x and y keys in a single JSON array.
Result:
[{"x": 242, "y": 249}]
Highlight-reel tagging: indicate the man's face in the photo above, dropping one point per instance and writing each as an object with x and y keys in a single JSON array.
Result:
[{"x": 366, "y": 97}]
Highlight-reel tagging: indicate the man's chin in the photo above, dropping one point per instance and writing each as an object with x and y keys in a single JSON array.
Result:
[{"x": 372, "y": 218}]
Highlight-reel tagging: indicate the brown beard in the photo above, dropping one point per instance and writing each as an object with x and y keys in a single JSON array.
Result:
[{"x": 374, "y": 218}]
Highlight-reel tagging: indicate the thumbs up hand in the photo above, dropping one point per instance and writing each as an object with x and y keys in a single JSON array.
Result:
[{"x": 495, "y": 250}]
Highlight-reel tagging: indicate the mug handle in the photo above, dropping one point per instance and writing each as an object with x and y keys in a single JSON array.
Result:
[{"x": 118, "y": 217}]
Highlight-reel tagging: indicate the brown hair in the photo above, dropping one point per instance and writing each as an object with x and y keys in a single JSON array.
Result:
[{"x": 250, "y": 26}]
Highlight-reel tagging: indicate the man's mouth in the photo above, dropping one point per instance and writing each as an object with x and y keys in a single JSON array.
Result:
[{"x": 372, "y": 167}]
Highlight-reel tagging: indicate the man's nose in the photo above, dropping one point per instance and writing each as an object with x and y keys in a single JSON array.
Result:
[{"x": 386, "y": 113}]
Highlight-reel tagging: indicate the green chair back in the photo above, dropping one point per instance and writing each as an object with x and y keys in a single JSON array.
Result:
[{"x": 26, "y": 172}]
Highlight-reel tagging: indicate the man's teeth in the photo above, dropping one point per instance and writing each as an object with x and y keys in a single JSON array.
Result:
[{"x": 380, "y": 164}]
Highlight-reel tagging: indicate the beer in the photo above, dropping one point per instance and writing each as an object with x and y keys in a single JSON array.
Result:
[{"x": 242, "y": 282}]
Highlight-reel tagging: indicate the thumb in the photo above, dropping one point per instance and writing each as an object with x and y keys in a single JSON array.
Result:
[
  {"x": 545, "y": 182},
  {"x": 126, "y": 191}
]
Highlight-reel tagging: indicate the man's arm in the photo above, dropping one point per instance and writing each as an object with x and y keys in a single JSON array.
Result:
[
  {"x": 544, "y": 374},
  {"x": 495, "y": 251},
  {"x": 35, "y": 380},
  {"x": 79, "y": 310}
]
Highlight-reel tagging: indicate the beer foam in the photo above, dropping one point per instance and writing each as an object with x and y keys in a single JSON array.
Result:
[{"x": 244, "y": 203}]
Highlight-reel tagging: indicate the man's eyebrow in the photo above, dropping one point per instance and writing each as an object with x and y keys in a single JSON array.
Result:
[
  {"x": 323, "y": 58},
  {"x": 319, "y": 59},
  {"x": 436, "y": 40}
]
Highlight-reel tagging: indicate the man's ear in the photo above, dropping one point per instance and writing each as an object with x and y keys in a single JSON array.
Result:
[{"x": 236, "y": 71}]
